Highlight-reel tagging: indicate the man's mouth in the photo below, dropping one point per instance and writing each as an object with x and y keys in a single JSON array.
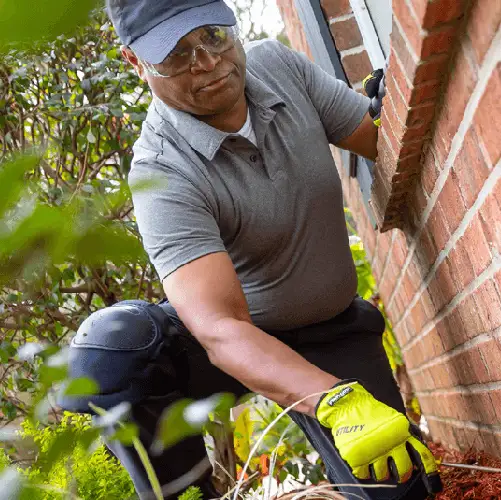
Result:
[{"x": 215, "y": 84}]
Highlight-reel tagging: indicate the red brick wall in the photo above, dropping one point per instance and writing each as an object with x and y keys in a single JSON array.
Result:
[{"x": 440, "y": 277}]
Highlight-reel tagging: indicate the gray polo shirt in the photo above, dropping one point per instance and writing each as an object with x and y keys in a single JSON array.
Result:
[{"x": 276, "y": 209}]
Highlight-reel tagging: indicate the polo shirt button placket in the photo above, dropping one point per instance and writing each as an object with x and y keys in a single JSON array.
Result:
[{"x": 253, "y": 158}]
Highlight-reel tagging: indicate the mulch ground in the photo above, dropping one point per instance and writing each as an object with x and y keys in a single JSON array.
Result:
[{"x": 463, "y": 484}]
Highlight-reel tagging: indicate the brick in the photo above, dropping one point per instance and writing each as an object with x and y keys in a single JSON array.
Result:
[
  {"x": 335, "y": 8},
  {"x": 492, "y": 441},
  {"x": 484, "y": 20},
  {"x": 369, "y": 237},
  {"x": 497, "y": 283},
  {"x": 419, "y": 381},
  {"x": 419, "y": 316},
  {"x": 427, "y": 404},
  {"x": 428, "y": 307},
  {"x": 474, "y": 239},
  {"x": 452, "y": 203},
  {"x": 472, "y": 322},
  {"x": 429, "y": 379},
  {"x": 412, "y": 95},
  {"x": 470, "y": 412},
  {"x": 409, "y": 286},
  {"x": 470, "y": 167},
  {"x": 357, "y": 66},
  {"x": 400, "y": 308},
  {"x": 426, "y": 250},
  {"x": 460, "y": 264},
  {"x": 447, "y": 284},
  {"x": 438, "y": 225},
  {"x": 444, "y": 375},
  {"x": 346, "y": 33},
  {"x": 444, "y": 432},
  {"x": 436, "y": 293},
  {"x": 439, "y": 42},
  {"x": 441, "y": 145},
  {"x": 487, "y": 122},
  {"x": 415, "y": 356},
  {"x": 458, "y": 92},
  {"x": 424, "y": 92},
  {"x": 410, "y": 27},
  {"x": 485, "y": 409},
  {"x": 403, "y": 52},
  {"x": 491, "y": 354},
  {"x": 468, "y": 439},
  {"x": 415, "y": 274},
  {"x": 432, "y": 69},
  {"x": 390, "y": 120},
  {"x": 435, "y": 345},
  {"x": 451, "y": 331},
  {"x": 439, "y": 12},
  {"x": 396, "y": 73},
  {"x": 470, "y": 367},
  {"x": 488, "y": 305},
  {"x": 420, "y": 7},
  {"x": 420, "y": 117},
  {"x": 406, "y": 168},
  {"x": 396, "y": 99},
  {"x": 496, "y": 402},
  {"x": 400, "y": 248},
  {"x": 450, "y": 405}
]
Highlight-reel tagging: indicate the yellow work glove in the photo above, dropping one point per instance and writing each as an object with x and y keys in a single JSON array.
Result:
[
  {"x": 374, "y": 439},
  {"x": 375, "y": 88}
]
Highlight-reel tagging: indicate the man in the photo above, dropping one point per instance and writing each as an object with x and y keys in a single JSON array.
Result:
[{"x": 246, "y": 230}]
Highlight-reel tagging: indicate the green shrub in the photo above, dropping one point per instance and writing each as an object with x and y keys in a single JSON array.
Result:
[
  {"x": 192, "y": 493},
  {"x": 4, "y": 459},
  {"x": 92, "y": 475}
]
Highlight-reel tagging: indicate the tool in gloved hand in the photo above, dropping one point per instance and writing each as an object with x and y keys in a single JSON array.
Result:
[
  {"x": 375, "y": 88},
  {"x": 373, "y": 438}
]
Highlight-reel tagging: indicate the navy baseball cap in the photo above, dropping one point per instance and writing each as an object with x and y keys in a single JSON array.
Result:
[{"x": 152, "y": 28}]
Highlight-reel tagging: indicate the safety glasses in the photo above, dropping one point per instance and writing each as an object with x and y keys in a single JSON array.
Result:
[{"x": 213, "y": 40}]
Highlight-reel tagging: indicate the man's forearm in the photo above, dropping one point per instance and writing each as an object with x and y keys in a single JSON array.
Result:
[{"x": 265, "y": 365}]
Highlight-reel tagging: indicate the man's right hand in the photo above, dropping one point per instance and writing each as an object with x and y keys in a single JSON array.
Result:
[
  {"x": 375, "y": 88},
  {"x": 373, "y": 438}
]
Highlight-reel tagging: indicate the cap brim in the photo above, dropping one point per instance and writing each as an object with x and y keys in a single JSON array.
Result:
[{"x": 155, "y": 45}]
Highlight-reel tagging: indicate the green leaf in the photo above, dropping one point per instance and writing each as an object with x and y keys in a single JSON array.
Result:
[
  {"x": 126, "y": 434},
  {"x": 173, "y": 427},
  {"x": 24, "y": 21},
  {"x": 81, "y": 387},
  {"x": 12, "y": 181},
  {"x": 52, "y": 374},
  {"x": 90, "y": 137},
  {"x": 62, "y": 446}
]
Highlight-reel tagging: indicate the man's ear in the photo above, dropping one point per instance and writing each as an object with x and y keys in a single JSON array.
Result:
[{"x": 131, "y": 58}]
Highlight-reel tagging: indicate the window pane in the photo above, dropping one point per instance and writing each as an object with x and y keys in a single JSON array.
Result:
[{"x": 380, "y": 11}]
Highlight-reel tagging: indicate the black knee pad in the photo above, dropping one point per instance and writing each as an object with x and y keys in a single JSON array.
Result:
[{"x": 123, "y": 348}]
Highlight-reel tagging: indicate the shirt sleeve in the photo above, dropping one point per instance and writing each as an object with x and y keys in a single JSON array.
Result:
[
  {"x": 175, "y": 218},
  {"x": 341, "y": 109}
]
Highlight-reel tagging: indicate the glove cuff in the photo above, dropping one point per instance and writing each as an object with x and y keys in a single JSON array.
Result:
[{"x": 325, "y": 394}]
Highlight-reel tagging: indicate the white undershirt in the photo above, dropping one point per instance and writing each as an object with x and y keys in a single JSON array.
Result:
[{"x": 247, "y": 130}]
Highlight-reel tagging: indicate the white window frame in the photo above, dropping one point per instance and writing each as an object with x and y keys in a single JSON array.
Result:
[{"x": 370, "y": 36}]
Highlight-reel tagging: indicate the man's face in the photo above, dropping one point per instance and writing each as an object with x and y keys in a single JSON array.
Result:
[{"x": 212, "y": 85}]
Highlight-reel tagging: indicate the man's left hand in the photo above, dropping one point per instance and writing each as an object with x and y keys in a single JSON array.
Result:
[{"x": 373, "y": 438}]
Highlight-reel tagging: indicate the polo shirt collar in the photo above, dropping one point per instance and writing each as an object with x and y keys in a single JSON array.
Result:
[{"x": 202, "y": 137}]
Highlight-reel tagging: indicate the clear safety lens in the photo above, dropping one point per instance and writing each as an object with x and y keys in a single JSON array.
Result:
[{"x": 212, "y": 39}]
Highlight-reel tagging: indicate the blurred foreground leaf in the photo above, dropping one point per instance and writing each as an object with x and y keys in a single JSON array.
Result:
[{"x": 24, "y": 21}]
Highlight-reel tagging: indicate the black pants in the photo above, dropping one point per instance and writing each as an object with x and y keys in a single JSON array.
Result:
[{"x": 348, "y": 346}]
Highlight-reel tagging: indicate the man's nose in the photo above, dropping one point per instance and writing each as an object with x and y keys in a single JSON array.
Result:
[{"x": 203, "y": 60}]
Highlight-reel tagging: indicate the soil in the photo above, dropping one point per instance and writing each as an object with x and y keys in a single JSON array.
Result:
[
  {"x": 464, "y": 484},
  {"x": 459, "y": 484}
]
